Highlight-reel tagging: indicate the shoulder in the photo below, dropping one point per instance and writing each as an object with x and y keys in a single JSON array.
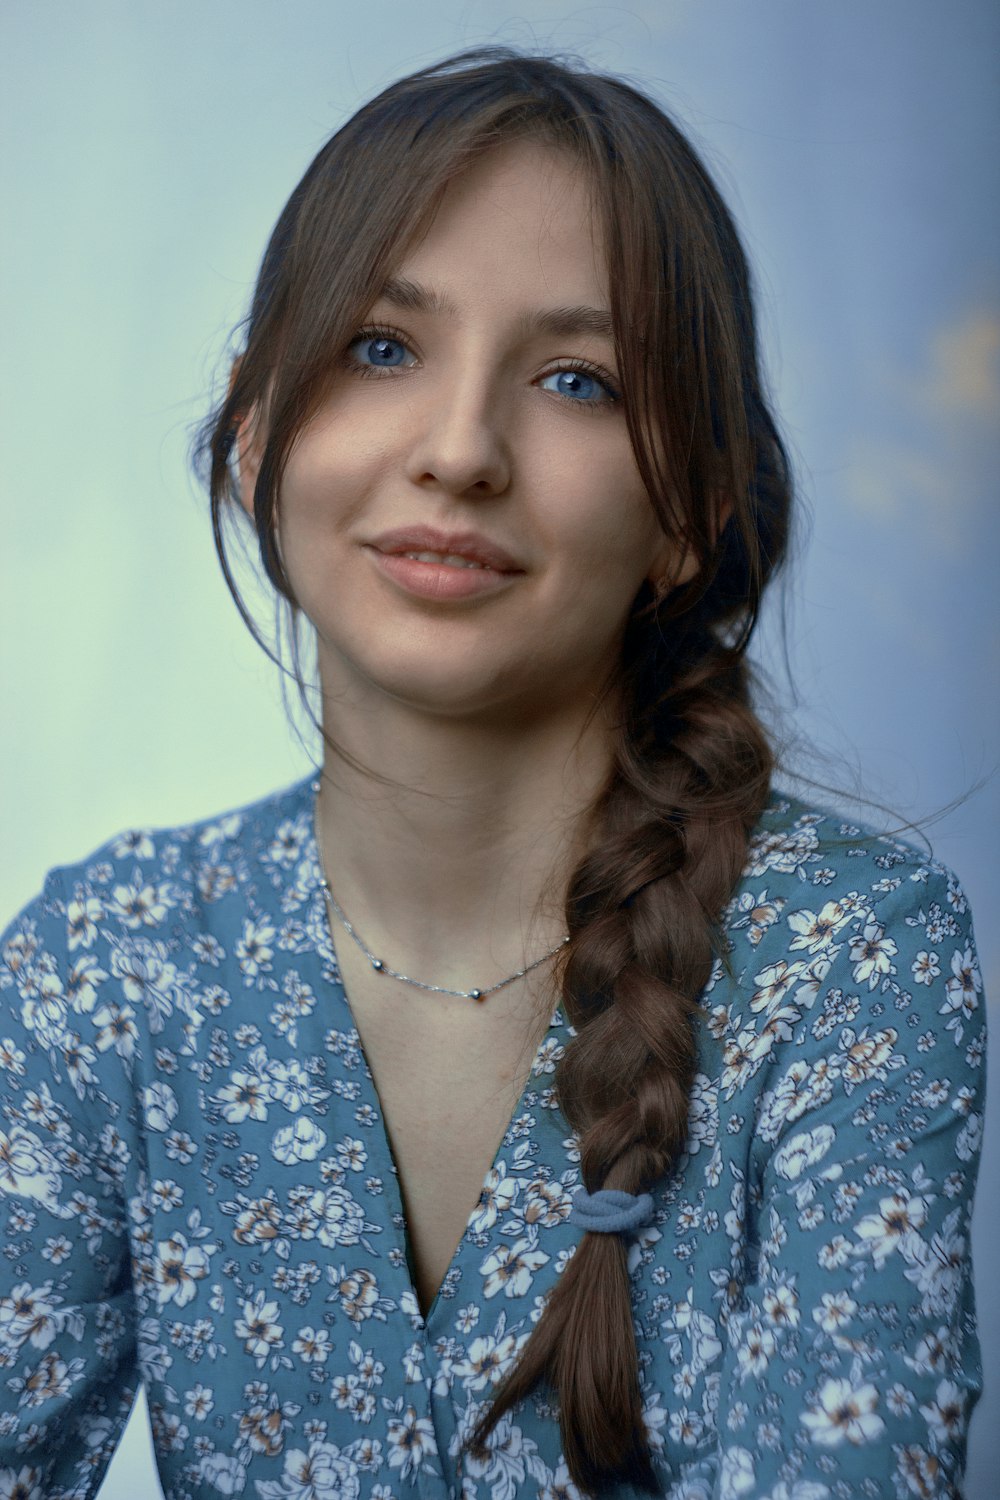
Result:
[
  {"x": 834, "y": 928},
  {"x": 123, "y": 875},
  {"x": 808, "y": 858},
  {"x": 127, "y": 912}
]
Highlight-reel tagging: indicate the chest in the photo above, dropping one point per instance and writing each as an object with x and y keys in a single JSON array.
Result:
[{"x": 449, "y": 1075}]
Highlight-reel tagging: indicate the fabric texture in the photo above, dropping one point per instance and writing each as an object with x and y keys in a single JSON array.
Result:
[{"x": 198, "y": 1191}]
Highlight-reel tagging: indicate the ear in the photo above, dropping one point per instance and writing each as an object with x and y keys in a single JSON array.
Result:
[
  {"x": 249, "y": 450},
  {"x": 676, "y": 563},
  {"x": 248, "y": 445}
]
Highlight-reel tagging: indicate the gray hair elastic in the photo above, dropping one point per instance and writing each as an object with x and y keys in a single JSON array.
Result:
[{"x": 610, "y": 1211}]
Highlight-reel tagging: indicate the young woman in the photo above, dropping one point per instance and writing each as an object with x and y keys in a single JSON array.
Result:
[{"x": 534, "y": 1102}]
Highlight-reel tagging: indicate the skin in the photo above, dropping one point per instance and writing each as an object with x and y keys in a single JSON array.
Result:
[{"x": 485, "y": 704}]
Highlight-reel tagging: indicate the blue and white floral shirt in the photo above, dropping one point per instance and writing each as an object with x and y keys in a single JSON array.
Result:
[{"x": 198, "y": 1192}]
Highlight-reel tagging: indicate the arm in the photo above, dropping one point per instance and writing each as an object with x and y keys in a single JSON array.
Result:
[
  {"x": 853, "y": 1363},
  {"x": 67, "y": 1327}
]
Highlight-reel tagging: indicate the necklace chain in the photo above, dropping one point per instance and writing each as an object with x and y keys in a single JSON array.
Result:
[{"x": 381, "y": 967}]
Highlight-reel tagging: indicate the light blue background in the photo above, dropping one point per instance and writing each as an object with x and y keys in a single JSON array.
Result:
[{"x": 147, "y": 151}]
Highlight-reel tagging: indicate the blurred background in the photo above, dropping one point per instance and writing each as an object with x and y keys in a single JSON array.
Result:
[{"x": 148, "y": 149}]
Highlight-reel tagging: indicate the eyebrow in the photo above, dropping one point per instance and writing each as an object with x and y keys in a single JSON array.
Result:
[{"x": 562, "y": 322}]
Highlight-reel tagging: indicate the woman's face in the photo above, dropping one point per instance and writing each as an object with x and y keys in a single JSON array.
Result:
[{"x": 474, "y": 421}]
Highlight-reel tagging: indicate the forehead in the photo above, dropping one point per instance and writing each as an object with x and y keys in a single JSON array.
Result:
[{"x": 522, "y": 217}]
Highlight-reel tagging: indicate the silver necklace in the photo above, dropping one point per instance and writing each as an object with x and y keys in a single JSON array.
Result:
[{"x": 381, "y": 967}]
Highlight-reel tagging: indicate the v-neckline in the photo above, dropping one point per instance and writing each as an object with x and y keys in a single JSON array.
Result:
[{"x": 328, "y": 953}]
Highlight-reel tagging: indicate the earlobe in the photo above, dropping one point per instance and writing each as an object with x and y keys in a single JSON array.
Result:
[
  {"x": 672, "y": 571},
  {"x": 679, "y": 563}
]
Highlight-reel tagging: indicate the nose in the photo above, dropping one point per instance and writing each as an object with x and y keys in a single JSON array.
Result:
[{"x": 460, "y": 442}]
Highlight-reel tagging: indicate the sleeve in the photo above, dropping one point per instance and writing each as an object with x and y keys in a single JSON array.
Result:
[
  {"x": 67, "y": 1324},
  {"x": 853, "y": 1363}
]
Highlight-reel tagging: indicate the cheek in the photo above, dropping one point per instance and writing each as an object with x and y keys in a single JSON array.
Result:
[
  {"x": 322, "y": 490},
  {"x": 604, "y": 520},
  {"x": 335, "y": 460}
]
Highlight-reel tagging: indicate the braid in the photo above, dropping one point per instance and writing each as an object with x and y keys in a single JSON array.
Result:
[{"x": 642, "y": 910}]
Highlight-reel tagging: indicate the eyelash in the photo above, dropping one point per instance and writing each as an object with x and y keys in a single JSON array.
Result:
[{"x": 578, "y": 366}]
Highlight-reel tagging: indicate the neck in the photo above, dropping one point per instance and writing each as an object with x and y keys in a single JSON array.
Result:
[{"x": 457, "y": 869}]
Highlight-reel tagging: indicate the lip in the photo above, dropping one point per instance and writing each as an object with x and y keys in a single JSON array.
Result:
[
  {"x": 440, "y": 582},
  {"x": 468, "y": 544}
]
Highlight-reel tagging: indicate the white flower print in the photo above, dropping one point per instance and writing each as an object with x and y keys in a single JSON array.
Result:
[
  {"x": 703, "y": 1114},
  {"x": 737, "y": 1475},
  {"x": 27, "y": 1168},
  {"x": 897, "y": 1223},
  {"x": 199, "y": 1402},
  {"x": 844, "y": 1413},
  {"x": 50, "y": 1380},
  {"x": 774, "y": 982},
  {"x": 160, "y": 1106},
  {"x": 756, "y": 1347},
  {"x": 178, "y": 1269},
  {"x": 357, "y": 1292},
  {"x": 223, "y": 1472},
  {"x": 246, "y": 1096},
  {"x": 926, "y": 967},
  {"x": 935, "y": 1267},
  {"x": 85, "y": 979},
  {"x": 946, "y": 1412},
  {"x": 559, "y": 1486},
  {"x": 286, "y": 845},
  {"x": 147, "y": 979},
  {"x": 302, "y": 1141},
  {"x": 497, "y": 1195},
  {"x": 545, "y": 1204},
  {"x": 259, "y": 1327},
  {"x": 82, "y": 917},
  {"x": 803, "y": 1150},
  {"x": 139, "y": 905},
  {"x": 341, "y": 1217},
  {"x": 834, "y": 1311},
  {"x": 116, "y": 1029},
  {"x": 488, "y": 1359},
  {"x": 867, "y": 1056},
  {"x": 312, "y": 1345},
  {"x": 756, "y": 913},
  {"x": 962, "y": 990},
  {"x": 410, "y": 1441},
  {"x": 781, "y": 1305},
  {"x": 816, "y": 931},
  {"x": 872, "y": 954},
  {"x": 509, "y": 1268},
  {"x": 323, "y": 1472},
  {"x": 254, "y": 951},
  {"x": 510, "y": 1457},
  {"x": 28, "y": 1313},
  {"x": 785, "y": 850},
  {"x": 291, "y": 1085}
]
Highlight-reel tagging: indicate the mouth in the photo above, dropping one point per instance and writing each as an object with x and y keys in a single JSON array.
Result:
[
  {"x": 433, "y": 548},
  {"x": 446, "y": 559},
  {"x": 441, "y": 577}
]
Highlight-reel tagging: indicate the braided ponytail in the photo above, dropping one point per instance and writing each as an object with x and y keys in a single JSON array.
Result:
[{"x": 642, "y": 909}]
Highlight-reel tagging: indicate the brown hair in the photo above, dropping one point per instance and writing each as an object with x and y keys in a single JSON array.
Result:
[{"x": 692, "y": 764}]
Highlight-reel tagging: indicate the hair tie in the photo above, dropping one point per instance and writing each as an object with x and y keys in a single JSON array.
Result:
[{"x": 610, "y": 1211}]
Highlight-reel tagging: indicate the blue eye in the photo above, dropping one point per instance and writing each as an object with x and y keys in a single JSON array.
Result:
[
  {"x": 580, "y": 387},
  {"x": 377, "y": 351}
]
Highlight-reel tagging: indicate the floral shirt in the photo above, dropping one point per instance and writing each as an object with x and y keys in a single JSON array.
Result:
[{"x": 198, "y": 1192}]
